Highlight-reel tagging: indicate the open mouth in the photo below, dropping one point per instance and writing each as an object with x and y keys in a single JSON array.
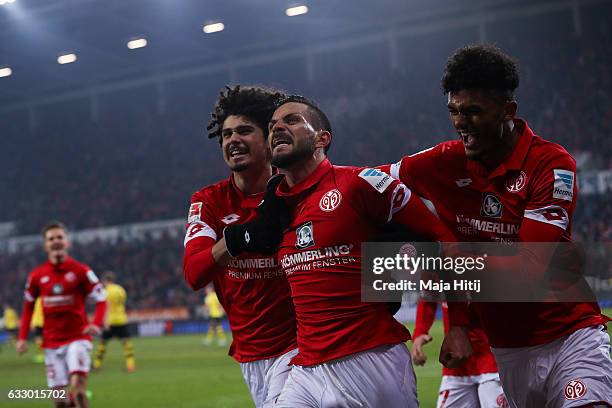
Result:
[
  {"x": 469, "y": 139},
  {"x": 237, "y": 151},
  {"x": 280, "y": 140}
]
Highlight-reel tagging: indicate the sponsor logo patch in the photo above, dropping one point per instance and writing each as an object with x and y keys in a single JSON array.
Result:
[
  {"x": 228, "y": 219},
  {"x": 194, "y": 212},
  {"x": 514, "y": 184},
  {"x": 563, "y": 184},
  {"x": 377, "y": 179},
  {"x": 491, "y": 206},
  {"x": 304, "y": 236},
  {"x": 330, "y": 200},
  {"x": 574, "y": 390}
]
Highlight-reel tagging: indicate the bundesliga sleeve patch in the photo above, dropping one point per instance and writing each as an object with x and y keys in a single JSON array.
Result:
[
  {"x": 377, "y": 179},
  {"x": 563, "y": 184},
  {"x": 195, "y": 209}
]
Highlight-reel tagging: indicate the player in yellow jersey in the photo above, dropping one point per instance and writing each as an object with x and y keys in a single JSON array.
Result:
[
  {"x": 11, "y": 322},
  {"x": 116, "y": 323},
  {"x": 215, "y": 312},
  {"x": 37, "y": 324}
]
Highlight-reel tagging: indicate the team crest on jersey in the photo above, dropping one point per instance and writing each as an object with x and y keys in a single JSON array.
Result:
[
  {"x": 44, "y": 279},
  {"x": 70, "y": 276},
  {"x": 330, "y": 200},
  {"x": 228, "y": 219},
  {"x": 57, "y": 289},
  {"x": 377, "y": 179},
  {"x": 501, "y": 401},
  {"x": 514, "y": 184},
  {"x": 563, "y": 184},
  {"x": 574, "y": 390},
  {"x": 304, "y": 236},
  {"x": 194, "y": 212},
  {"x": 491, "y": 206}
]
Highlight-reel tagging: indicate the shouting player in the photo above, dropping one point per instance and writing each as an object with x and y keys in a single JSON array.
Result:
[
  {"x": 351, "y": 353},
  {"x": 63, "y": 284},
  {"x": 501, "y": 182},
  {"x": 227, "y": 244},
  {"x": 116, "y": 323}
]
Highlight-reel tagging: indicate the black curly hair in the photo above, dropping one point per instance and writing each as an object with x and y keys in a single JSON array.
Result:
[
  {"x": 256, "y": 103},
  {"x": 481, "y": 66}
]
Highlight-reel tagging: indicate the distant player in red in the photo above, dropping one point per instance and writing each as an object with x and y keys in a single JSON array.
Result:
[
  {"x": 475, "y": 384},
  {"x": 351, "y": 353},
  {"x": 227, "y": 244},
  {"x": 64, "y": 284},
  {"x": 500, "y": 182}
]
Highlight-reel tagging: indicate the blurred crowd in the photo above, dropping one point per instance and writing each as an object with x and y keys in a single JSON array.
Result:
[{"x": 138, "y": 159}]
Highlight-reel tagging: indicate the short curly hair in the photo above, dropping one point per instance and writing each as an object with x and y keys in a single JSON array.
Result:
[
  {"x": 481, "y": 66},
  {"x": 256, "y": 103}
]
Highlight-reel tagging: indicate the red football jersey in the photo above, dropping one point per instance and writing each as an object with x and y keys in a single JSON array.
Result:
[
  {"x": 63, "y": 288},
  {"x": 252, "y": 288},
  {"x": 531, "y": 193},
  {"x": 335, "y": 210},
  {"x": 482, "y": 360}
]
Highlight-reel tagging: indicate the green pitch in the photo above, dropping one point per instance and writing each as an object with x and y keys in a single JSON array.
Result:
[{"x": 173, "y": 371}]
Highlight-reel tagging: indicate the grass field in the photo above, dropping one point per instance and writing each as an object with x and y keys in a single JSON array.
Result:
[{"x": 173, "y": 371}]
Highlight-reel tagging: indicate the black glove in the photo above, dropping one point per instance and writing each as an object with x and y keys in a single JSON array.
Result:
[{"x": 264, "y": 233}]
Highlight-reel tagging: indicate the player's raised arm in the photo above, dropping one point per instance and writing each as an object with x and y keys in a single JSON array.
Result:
[{"x": 95, "y": 291}]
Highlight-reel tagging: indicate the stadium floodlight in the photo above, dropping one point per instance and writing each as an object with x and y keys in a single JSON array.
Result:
[
  {"x": 3, "y": 2},
  {"x": 5, "y": 72},
  {"x": 137, "y": 43},
  {"x": 66, "y": 58},
  {"x": 296, "y": 11},
  {"x": 213, "y": 28}
]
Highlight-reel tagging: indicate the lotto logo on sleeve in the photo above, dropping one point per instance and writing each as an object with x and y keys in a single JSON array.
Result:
[
  {"x": 194, "y": 212},
  {"x": 377, "y": 179},
  {"x": 563, "y": 187}
]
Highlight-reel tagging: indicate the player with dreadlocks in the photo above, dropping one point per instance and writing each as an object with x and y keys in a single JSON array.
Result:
[{"x": 231, "y": 241}]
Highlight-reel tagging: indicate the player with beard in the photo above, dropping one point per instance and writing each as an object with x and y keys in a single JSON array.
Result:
[
  {"x": 231, "y": 241},
  {"x": 351, "y": 353},
  {"x": 500, "y": 174},
  {"x": 63, "y": 284}
]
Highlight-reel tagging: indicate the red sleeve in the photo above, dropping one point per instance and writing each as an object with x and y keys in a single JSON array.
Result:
[
  {"x": 29, "y": 297},
  {"x": 551, "y": 200},
  {"x": 100, "y": 313},
  {"x": 419, "y": 219},
  {"x": 425, "y": 316},
  {"x": 199, "y": 266},
  {"x": 26, "y": 317},
  {"x": 411, "y": 169}
]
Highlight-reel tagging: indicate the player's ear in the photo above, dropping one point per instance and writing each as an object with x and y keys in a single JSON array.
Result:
[
  {"x": 510, "y": 108},
  {"x": 322, "y": 139}
]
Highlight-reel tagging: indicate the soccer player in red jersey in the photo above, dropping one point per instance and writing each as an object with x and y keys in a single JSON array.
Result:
[
  {"x": 351, "y": 353},
  {"x": 500, "y": 182},
  {"x": 474, "y": 384},
  {"x": 63, "y": 284},
  {"x": 227, "y": 243}
]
